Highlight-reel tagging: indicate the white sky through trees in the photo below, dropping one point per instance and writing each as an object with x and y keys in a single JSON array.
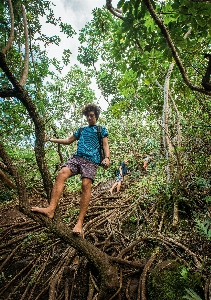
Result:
[{"x": 77, "y": 13}]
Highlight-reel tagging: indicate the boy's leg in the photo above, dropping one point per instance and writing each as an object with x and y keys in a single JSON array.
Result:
[
  {"x": 57, "y": 190},
  {"x": 84, "y": 203},
  {"x": 113, "y": 187},
  {"x": 119, "y": 186},
  {"x": 145, "y": 165}
]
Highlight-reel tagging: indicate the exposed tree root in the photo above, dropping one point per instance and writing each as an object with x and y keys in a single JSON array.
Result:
[
  {"x": 52, "y": 270},
  {"x": 142, "y": 283}
]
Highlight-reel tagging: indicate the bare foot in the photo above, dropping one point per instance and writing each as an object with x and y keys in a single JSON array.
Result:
[
  {"x": 44, "y": 210},
  {"x": 111, "y": 191},
  {"x": 78, "y": 230}
]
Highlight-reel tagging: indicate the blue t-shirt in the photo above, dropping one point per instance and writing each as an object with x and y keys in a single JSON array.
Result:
[
  {"x": 88, "y": 142},
  {"x": 124, "y": 169}
]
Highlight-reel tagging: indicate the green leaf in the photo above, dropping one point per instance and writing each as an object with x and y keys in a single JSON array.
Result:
[{"x": 191, "y": 295}]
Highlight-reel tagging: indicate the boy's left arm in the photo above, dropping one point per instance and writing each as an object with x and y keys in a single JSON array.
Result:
[{"x": 106, "y": 151}]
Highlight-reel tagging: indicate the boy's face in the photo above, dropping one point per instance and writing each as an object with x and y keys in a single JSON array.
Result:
[{"x": 91, "y": 118}]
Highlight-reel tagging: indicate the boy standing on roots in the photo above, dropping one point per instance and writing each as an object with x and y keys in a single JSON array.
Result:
[
  {"x": 120, "y": 176},
  {"x": 85, "y": 162}
]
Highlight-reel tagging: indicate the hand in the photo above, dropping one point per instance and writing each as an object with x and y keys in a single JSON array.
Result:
[
  {"x": 47, "y": 137},
  {"x": 105, "y": 163}
]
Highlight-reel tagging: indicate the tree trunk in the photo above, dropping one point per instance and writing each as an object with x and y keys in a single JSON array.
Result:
[{"x": 20, "y": 93}]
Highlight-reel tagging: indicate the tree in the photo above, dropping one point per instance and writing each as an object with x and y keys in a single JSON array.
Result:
[
  {"x": 18, "y": 91},
  {"x": 130, "y": 58}
]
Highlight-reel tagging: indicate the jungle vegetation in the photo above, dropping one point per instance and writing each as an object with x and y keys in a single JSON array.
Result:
[{"x": 152, "y": 63}]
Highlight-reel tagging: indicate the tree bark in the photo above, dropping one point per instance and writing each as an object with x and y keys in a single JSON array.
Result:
[{"x": 7, "y": 181}]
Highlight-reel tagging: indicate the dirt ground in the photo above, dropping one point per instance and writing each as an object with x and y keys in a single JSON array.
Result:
[{"x": 10, "y": 215}]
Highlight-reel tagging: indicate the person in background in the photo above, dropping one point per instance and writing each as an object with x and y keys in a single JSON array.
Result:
[
  {"x": 146, "y": 162},
  {"x": 85, "y": 162},
  {"x": 120, "y": 176}
]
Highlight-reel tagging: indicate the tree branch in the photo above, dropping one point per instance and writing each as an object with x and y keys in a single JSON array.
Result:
[
  {"x": 7, "y": 181},
  {"x": 26, "y": 57},
  {"x": 170, "y": 43},
  {"x": 11, "y": 38},
  {"x": 115, "y": 12},
  {"x": 172, "y": 47}
]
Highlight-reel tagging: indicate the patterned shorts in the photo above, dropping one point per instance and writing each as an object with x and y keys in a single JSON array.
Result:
[
  {"x": 80, "y": 165},
  {"x": 119, "y": 178}
]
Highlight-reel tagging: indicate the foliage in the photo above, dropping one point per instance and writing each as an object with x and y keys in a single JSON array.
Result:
[
  {"x": 168, "y": 283},
  {"x": 191, "y": 295},
  {"x": 70, "y": 214},
  {"x": 204, "y": 228},
  {"x": 6, "y": 196},
  {"x": 38, "y": 239},
  {"x": 129, "y": 59}
]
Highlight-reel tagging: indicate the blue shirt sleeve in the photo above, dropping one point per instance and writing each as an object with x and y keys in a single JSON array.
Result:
[
  {"x": 77, "y": 133},
  {"x": 104, "y": 132}
]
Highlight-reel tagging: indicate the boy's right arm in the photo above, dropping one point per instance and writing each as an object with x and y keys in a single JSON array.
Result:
[{"x": 66, "y": 141}]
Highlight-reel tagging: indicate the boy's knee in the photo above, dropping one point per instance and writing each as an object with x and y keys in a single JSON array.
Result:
[
  {"x": 87, "y": 183},
  {"x": 64, "y": 173}
]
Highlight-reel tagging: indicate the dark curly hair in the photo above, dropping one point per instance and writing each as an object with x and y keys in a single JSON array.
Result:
[{"x": 91, "y": 107}]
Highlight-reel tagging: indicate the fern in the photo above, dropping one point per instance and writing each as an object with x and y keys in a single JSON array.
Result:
[
  {"x": 204, "y": 228},
  {"x": 191, "y": 295}
]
